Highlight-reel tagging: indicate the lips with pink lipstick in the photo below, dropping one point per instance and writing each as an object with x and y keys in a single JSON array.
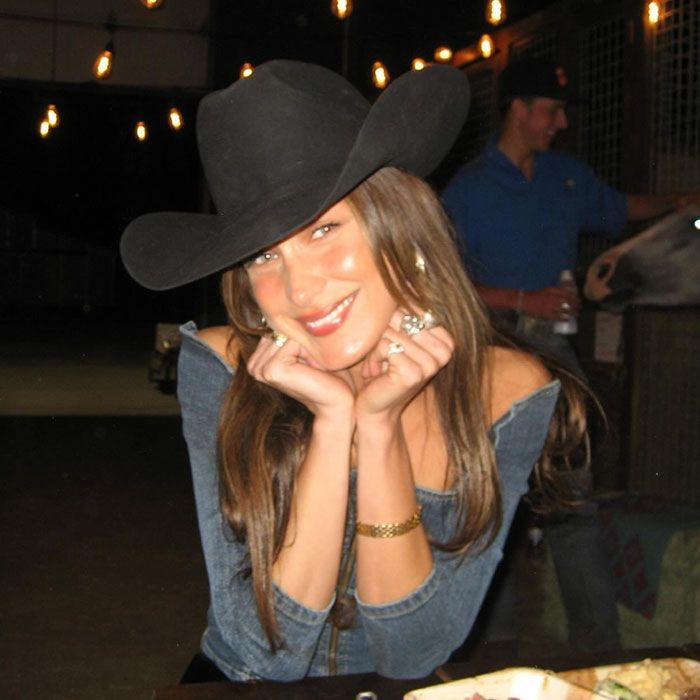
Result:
[{"x": 328, "y": 319}]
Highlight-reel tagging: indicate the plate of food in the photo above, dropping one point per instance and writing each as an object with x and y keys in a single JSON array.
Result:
[
  {"x": 521, "y": 683},
  {"x": 648, "y": 679}
]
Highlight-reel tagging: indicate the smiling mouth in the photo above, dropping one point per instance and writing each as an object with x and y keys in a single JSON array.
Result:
[{"x": 323, "y": 325}]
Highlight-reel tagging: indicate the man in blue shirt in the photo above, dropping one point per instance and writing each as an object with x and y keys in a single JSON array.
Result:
[{"x": 518, "y": 210}]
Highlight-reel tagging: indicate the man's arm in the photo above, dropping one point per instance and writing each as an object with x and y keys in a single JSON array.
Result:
[
  {"x": 647, "y": 206},
  {"x": 548, "y": 302}
]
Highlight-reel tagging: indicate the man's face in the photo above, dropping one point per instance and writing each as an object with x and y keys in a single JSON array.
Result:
[{"x": 539, "y": 119}]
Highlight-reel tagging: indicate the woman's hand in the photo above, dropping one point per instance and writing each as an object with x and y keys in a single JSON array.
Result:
[
  {"x": 394, "y": 378},
  {"x": 292, "y": 371}
]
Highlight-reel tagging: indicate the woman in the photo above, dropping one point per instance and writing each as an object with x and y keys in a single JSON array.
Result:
[{"x": 358, "y": 446}]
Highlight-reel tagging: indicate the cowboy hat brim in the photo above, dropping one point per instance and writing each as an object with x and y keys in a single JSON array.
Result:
[{"x": 412, "y": 125}]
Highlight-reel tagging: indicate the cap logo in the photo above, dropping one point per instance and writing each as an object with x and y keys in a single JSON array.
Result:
[{"x": 561, "y": 76}]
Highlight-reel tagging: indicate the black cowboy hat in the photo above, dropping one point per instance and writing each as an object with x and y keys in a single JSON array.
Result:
[{"x": 279, "y": 148}]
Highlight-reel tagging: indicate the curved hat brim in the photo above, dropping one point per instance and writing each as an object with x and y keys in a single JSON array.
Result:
[{"x": 412, "y": 125}]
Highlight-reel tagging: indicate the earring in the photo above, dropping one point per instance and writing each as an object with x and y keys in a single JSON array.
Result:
[
  {"x": 420, "y": 262},
  {"x": 263, "y": 322}
]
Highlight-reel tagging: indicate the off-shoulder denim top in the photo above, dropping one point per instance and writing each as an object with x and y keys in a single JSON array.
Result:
[{"x": 406, "y": 638}]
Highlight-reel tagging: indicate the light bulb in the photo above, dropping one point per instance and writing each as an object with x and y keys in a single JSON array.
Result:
[
  {"x": 380, "y": 75},
  {"x": 341, "y": 8},
  {"x": 103, "y": 64},
  {"x": 52, "y": 116},
  {"x": 495, "y": 12},
  {"x": 443, "y": 54},
  {"x": 44, "y": 128},
  {"x": 151, "y": 4},
  {"x": 486, "y": 46},
  {"x": 247, "y": 70},
  {"x": 418, "y": 64},
  {"x": 175, "y": 119},
  {"x": 653, "y": 12},
  {"x": 141, "y": 131}
]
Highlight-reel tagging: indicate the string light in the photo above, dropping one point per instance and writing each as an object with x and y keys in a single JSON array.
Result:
[
  {"x": 486, "y": 46},
  {"x": 246, "y": 70},
  {"x": 102, "y": 67},
  {"x": 141, "y": 131},
  {"x": 151, "y": 4},
  {"x": 653, "y": 12},
  {"x": 44, "y": 128},
  {"x": 495, "y": 12},
  {"x": 418, "y": 64},
  {"x": 341, "y": 8},
  {"x": 175, "y": 119},
  {"x": 52, "y": 116},
  {"x": 380, "y": 75},
  {"x": 443, "y": 54}
]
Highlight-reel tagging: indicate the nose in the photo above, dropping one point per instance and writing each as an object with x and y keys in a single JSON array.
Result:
[{"x": 302, "y": 283}]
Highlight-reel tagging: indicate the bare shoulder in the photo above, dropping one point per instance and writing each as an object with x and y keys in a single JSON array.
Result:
[
  {"x": 513, "y": 374},
  {"x": 220, "y": 339}
]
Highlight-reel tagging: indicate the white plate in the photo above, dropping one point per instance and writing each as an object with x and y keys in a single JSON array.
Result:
[{"x": 522, "y": 683}]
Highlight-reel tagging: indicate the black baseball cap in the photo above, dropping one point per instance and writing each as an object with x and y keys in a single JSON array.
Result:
[{"x": 533, "y": 77}]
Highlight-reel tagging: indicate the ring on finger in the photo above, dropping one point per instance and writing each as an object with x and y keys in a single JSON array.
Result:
[
  {"x": 395, "y": 348},
  {"x": 412, "y": 324},
  {"x": 279, "y": 339}
]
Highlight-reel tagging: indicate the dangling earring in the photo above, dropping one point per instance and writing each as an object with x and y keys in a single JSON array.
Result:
[
  {"x": 420, "y": 262},
  {"x": 263, "y": 322}
]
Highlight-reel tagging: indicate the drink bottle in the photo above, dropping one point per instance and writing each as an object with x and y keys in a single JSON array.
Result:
[{"x": 570, "y": 325}]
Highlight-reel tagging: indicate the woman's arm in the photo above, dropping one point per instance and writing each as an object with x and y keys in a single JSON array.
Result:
[
  {"x": 307, "y": 567},
  {"x": 437, "y": 615},
  {"x": 234, "y": 637}
]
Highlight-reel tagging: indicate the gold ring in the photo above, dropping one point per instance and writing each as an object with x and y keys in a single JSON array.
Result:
[
  {"x": 279, "y": 339},
  {"x": 395, "y": 348}
]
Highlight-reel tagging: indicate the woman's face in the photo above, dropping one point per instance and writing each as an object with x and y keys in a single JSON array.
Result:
[{"x": 321, "y": 287}]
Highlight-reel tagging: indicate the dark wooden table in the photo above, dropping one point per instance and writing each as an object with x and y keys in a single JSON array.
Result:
[{"x": 347, "y": 687}]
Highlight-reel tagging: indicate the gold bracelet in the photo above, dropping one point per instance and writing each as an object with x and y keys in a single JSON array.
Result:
[{"x": 385, "y": 530}]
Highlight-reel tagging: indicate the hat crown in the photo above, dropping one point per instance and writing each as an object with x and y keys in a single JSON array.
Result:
[{"x": 265, "y": 133}]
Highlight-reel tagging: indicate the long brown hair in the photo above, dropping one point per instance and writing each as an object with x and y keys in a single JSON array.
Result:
[{"x": 263, "y": 433}]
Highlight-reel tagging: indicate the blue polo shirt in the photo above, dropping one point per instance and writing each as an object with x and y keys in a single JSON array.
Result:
[{"x": 518, "y": 233}]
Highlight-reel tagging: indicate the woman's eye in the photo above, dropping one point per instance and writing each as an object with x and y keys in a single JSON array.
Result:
[
  {"x": 322, "y": 231},
  {"x": 260, "y": 259}
]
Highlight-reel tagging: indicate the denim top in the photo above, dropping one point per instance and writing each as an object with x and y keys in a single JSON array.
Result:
[
  {"x": 520, "y": 234},
  {"x": 406, "y": 638}
]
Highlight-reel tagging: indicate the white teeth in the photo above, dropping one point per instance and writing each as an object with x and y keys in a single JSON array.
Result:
[{"x": 333, "y": 315}]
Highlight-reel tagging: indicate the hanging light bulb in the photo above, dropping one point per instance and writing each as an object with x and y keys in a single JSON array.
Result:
[
  {"x": 380, "y": 75},
  {"x": 653, "y": 12},
  {"x": 418, "y": 64},
  {"x": 175, "y": 119},
  {"x": 341, "y": 8},
  {"x": 495, "y": 12},
  {"x": 44, "y": 128},
  {"x": 141, "y": 131},
  {"x": 104, "y": 62},
  {"x": 52, "y": 116},
  {"x": 443, "y": 54},
  {"x": 247, "y": 70},
  {"x": 486, "y": 46},
  {"x": 151, "y": 4}
]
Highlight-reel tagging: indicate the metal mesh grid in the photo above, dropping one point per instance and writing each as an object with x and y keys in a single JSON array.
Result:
[
  {"x": 483, "y": 116},
  {"x": 601, "y": 75},
  {"x": 601, "y": 83},
  {"x": 665, "y": 441},
  {"x": 675, "y": 45},
  {"x": 539, "y": 46}
]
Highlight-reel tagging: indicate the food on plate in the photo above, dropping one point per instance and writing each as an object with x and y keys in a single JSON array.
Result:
[{"x": 642, "y": 681}]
